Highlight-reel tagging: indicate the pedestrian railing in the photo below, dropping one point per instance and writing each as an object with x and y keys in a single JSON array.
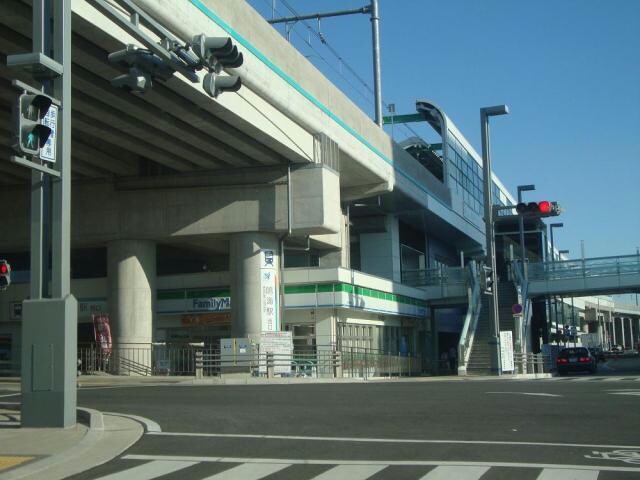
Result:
[
  {"x": 137, "y": 359},
  {"x": 588, "y": 267},
  {"x": 532, "y": 363},
  {"x": 431, "y": 277},
  {"x": 350, "y": 362}
]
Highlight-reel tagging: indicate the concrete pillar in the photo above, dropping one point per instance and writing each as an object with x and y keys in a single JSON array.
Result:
[
  {"x": 631, "y": 336},
  {"x": 131, "y": 267},
  {"x": 254, "y": 255},
  {"x": 380, "y": 252},
  {"x": 341, "y": 257},
  {"x": 622, "y": 334},
  {"x": 613, "y": 330}
]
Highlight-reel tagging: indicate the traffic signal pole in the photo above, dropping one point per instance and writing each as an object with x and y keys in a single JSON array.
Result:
[{"x": 49, "y": 325}]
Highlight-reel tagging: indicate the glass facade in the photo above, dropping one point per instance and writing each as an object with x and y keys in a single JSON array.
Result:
[{"x": 465, "y": 177}]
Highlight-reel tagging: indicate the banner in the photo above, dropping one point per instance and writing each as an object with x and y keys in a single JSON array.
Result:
[
  {"x": 506, "y": 351},
  {"x": 102, "y": 332},
  {"x": 269, "y": 291}
]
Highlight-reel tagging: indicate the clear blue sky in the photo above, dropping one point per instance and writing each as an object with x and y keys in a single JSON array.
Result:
[{"x": 568, "y": 69}]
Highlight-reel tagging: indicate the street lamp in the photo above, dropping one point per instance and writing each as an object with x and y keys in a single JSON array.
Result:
[
  {"x": 551, "y": 227},
  {"x": 494, "y": 326},
  {"x": 522, "y": 188},
  {"x": 553, "y": 259}
]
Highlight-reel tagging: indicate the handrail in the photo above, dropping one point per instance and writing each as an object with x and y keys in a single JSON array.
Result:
[
  {"x": 588, "y": 267},
  {"x": 471, "y": 318}
]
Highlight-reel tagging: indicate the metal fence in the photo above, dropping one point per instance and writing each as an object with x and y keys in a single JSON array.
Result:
[
  {"x": 137, "y": 359},
  {"x": 532, "y": 363},
  {"x": 324, "y": 362}
]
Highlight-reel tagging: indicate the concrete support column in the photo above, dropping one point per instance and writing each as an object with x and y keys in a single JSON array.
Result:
[
  {"x": 131, "y": 267},
  {"x": 613, "y": 330},
  {"x": 252, "y": 256},
  {"x": 622, "y": 334},
  {"x": 380, "y": 252},
  {"x": 341, "y": 257}
]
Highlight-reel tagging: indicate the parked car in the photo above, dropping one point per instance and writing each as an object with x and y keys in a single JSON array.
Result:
[
  {"x": 576, "y": 359},
  {"x": 617, "y": 349}
]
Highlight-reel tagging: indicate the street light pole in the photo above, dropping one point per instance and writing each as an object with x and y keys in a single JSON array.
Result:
[
  {"x": 553, "y": 259},
  {"x": 523, "y": 188},
  {"x": 494, "y": 327}
]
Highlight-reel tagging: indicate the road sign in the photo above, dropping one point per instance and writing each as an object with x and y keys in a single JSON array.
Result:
[{"x": 48, "y": 152}]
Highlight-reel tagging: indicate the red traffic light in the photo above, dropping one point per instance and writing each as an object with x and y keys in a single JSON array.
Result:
[
  {"x": 543, "y": 208},
  {"x": 4, "y": 268}
]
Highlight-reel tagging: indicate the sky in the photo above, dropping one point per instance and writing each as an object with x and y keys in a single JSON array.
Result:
[{"x": 569, "y": 70}]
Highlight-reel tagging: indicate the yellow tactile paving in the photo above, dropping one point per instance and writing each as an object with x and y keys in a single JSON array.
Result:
[{"x": 8, "y": 462}]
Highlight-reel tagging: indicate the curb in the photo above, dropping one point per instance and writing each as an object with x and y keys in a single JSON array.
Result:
[{"x": 84, "y": 454}]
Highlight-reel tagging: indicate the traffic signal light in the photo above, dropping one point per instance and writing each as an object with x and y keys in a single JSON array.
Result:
[
  {"x": 216, "y": 54},
  {"x": 215, "y": 84},
  {"x": 541, "y": 209},
  {"x": 143, "y": 66},
  {"x": 487, "y": 280},
  {"x": 31, "y": 133},
  {"x": 5, "y": 274}
]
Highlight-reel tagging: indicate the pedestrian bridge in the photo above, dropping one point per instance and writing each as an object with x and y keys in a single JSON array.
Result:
[{"x": 589, "y": 276}]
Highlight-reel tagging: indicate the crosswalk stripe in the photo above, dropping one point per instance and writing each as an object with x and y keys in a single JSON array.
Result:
[
  {"x": 459, "y": 472},
  {"x": 149, "y": 470},
  {"x": 567, "y": 474},
  {"x": 350, "y": 472},
  {"x": 249, "y": 471}
]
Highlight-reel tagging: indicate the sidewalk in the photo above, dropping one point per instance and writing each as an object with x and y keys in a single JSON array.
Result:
[{"x": 56, "y": 453}]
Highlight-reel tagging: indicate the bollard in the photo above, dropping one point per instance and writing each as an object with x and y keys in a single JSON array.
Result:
[
  {"x": 270, "y": 365},
  {"x": 337, "y": 364},
  {"x": 199, "y": 363}
]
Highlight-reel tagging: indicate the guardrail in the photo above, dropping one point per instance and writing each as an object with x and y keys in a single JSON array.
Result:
[
  {"x": 433, "y": 277},
  {"x": 588, "y": 267}
]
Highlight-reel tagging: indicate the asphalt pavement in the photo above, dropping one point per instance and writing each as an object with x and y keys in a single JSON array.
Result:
[{"x": 580, "y": 427}]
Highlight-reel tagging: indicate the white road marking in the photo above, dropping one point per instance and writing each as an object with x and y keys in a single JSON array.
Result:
[
  {"x": 10, "y": 395},
  {"x": 567, "y": 474},
  {"x": 457, "y": 472},
  {"x": 248, "y": 471},
  {"x": 297, "y": 461},
  {"x": 148, "y": 471},
  {"x": 350, "y": 472},
  {"x": 531, "y": 393},
  {"x": 385, "y": 440}
]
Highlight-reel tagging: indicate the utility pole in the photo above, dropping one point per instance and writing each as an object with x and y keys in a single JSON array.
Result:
[{"x": 371, "y": 9}]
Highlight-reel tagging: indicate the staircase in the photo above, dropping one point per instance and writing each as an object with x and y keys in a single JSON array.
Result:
[{"x": 480, "y": 359}]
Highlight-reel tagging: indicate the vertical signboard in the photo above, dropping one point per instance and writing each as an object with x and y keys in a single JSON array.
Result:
[
  {"x": 269, "y": 291},
  {"x": 280, "y": 344},
  {"x": 506, "y": 351},
  {"x": 48, "y": 151}
]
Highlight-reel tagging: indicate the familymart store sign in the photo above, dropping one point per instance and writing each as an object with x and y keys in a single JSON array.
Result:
[{"x": 193, "y": 301}]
